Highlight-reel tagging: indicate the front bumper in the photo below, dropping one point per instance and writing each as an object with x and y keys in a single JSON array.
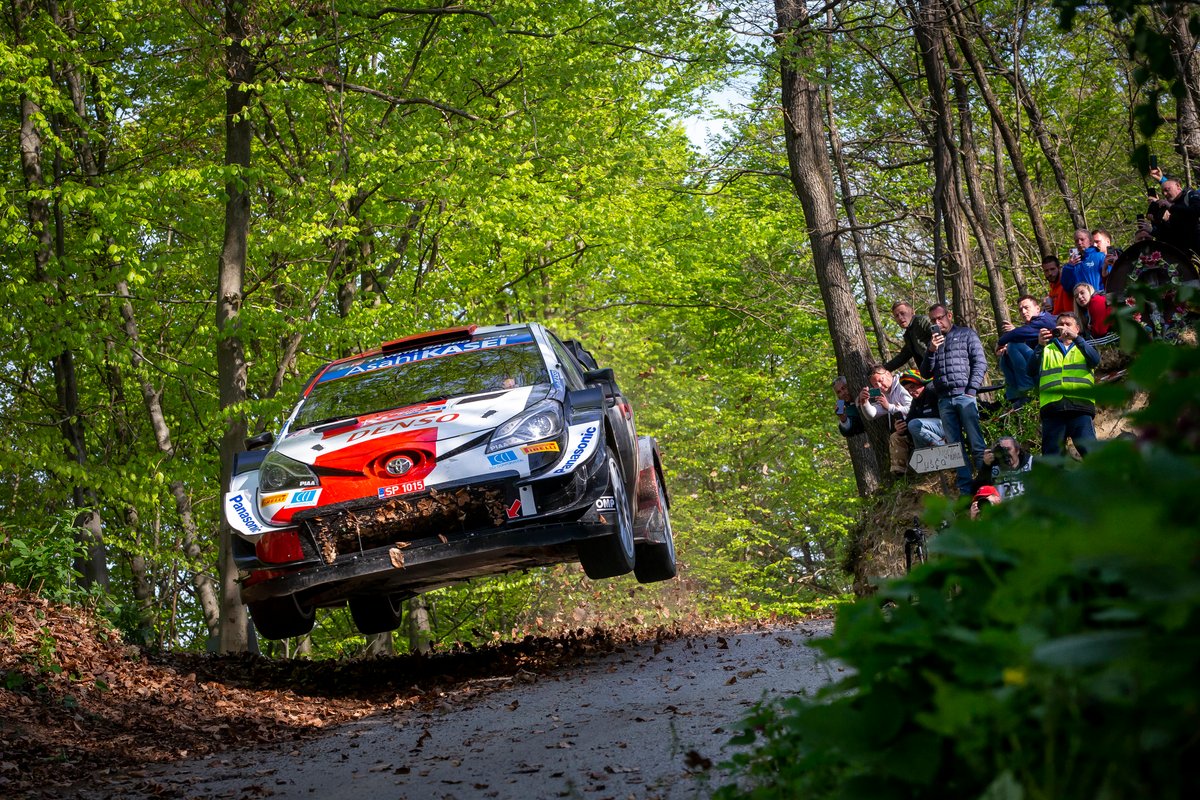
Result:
[{"x": 415, "y": 543}]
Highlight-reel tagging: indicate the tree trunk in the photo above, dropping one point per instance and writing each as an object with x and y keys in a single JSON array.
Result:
[
  {"x": 379, "y": 644},
  {"x": 1010, "y": 234},
  {"x": 231, "y": 356},
  {"x": 979, "y": 216},
  {"x": 1012, "y": 146},
  {"x": 93, "y": 566},
  {"x": 928, "y": 19},
  {"x": 860, "y": 244},
  {"x": 808, "y": 165},
  {"x": 419, "y": 627},
  {"x": 205, "y": 589},
  {"x": 1183, "y": 51},
  {"x": 1037, "y": 125}
]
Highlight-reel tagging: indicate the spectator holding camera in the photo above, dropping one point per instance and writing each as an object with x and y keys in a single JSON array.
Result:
[
  {"x": 1005, "y": 467},
  {"x": 956, "y": 365},
  {"x": 985, "y": 498},
  {"x": 1086, "y": 264},
  {"x": 1016, "y": 348},
  {"x": 1179, "y": 223},
  {"x": 1064, "y": 364},
  {"x": 923, "y": 423},
  {"x": 1060, "y": 298},
  {"x": 884, "y": 394},
  {"x": 921, "y": 427},
  {"x": 849, "y": 422}
]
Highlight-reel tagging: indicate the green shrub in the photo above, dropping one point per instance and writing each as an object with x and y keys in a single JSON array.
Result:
[
  {"x": 43, "y": 561},
  {"x": 1050, "y": 650}
]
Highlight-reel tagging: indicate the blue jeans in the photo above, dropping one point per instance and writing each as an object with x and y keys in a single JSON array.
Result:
[
  {"x": 926, "y": 432},
  {"x": 960, "y": 415},
  {"x": 1017, "y": 381},
  {"x": 1057, "y": 427}
]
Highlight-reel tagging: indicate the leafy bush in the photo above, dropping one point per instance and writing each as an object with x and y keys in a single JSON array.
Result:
[
  {"x": 43, "y": 561},
  {"x": 1049, "y": 651}
]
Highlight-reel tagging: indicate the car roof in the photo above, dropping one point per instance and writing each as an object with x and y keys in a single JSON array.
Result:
[{"x": 464, "y": 333}]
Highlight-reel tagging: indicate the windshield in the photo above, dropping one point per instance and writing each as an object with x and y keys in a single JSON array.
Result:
[{"x": 381, "y": 382}]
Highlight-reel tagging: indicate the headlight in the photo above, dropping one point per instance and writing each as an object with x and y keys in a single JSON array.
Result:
[
  {"x": 279, "y": 472},
  {"x": 543, "y": 421}
]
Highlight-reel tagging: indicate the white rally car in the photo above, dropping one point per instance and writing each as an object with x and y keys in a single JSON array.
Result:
[{"x": 437, "y": 458}]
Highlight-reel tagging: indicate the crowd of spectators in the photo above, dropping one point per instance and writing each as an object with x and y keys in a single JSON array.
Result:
[{"x": 1050, "y": 358}]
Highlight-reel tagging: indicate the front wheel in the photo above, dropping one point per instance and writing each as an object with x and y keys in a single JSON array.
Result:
[
  {"x": 656, "y": 560},
  {"x": 282, "y": 617},
  {"x": 611, "y": 555}
]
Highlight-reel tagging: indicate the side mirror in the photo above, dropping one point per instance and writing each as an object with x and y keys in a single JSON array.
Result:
[
  {"x": 264, "y": 439},
  {"x": 605, "y": 379},
  {"x": 583, "y": 403}
]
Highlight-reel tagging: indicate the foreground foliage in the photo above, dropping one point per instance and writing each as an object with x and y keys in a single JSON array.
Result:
[{"x": 1049, "y": 651}]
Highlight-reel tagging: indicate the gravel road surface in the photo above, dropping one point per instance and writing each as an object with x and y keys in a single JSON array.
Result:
[{"x": 641, "y": 722}]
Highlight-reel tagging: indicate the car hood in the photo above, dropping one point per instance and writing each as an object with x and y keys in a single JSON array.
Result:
[{"x": 434, "y": 428}]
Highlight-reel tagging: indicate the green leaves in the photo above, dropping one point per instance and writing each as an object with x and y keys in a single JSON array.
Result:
[{"x": 1048, "y": 650}]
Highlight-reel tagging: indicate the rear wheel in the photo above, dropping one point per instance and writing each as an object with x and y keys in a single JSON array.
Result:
[
  {"x": 656, "y": 560},
  {"x": 282, "y": 617},
  {"x": 377, "y": 614},
  {"x": 611, "y": 555}
]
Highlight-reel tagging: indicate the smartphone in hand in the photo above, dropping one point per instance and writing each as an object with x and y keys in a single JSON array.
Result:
[
  {"x": 841, "y": 407},
  {"x": 1153, "y": 161},
  {"x": 875, "y": 392}
]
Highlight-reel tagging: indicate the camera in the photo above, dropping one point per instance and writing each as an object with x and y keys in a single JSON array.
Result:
[
  {"x": 1058, "y": 331},
  {"x": 1000, "y": 454}
]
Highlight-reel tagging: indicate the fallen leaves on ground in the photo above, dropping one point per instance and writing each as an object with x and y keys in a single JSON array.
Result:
[{"x": 76, "y": 703}]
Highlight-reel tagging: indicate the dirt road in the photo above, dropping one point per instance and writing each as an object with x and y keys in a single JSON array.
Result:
[{"x": 640, "y": 722}]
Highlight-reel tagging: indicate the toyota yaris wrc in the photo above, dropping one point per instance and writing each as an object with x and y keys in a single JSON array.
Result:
[{"x": 438, "y": 458}]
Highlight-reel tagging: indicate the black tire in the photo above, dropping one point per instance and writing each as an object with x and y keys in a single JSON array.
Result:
[
  {"x": 379, "y": 614},
  {"x": 282, "y": 617},
  {"x": 656, "y": 561},
  {"x": 612, "y": 555}
]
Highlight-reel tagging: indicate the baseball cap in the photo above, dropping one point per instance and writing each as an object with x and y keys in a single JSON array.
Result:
[{"x": 987, "y": 491}]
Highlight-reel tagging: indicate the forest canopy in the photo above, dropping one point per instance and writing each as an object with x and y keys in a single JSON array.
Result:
[{"x": 201, "y": 207}]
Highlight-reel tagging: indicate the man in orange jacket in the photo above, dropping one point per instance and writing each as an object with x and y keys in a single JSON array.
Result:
[{"x": 1060, "y": 299}]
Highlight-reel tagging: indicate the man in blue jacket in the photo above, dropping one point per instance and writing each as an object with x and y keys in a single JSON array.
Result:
[
  {"x": 1016, "y": 346},
  {"x": 956, "y": 364},
  {"x": 1086, "y": 264}
]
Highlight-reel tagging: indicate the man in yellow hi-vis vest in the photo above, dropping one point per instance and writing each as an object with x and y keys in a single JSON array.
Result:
[{"x": 1063, "y": 365}]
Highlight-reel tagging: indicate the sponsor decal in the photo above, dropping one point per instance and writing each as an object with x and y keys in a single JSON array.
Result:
[
  {"x": 606, "y": 503},
  {"x": 304, "y": 498},
  {"x": 407, "y": 487},
  {"x": 541, "y": 447},
  {"x": 238, "y": 504},
  {"x": 388, "y": 416},
  {"x": 499, "y": 459},
  {"x": 579, "y": 450},
  {"x": 556, "y": 381},
  {"x": 398, "y": 425},
  {"x": 514, "y": 510},
  {"x": 421, "y": 354},
  {"x": 273, "y": 499}
]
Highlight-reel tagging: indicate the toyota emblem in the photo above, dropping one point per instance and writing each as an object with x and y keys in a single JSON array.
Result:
[{"x": 399, "y": 465}]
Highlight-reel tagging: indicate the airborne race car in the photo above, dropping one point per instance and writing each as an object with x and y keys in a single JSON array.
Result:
[{"x": 438, "y": 458}]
